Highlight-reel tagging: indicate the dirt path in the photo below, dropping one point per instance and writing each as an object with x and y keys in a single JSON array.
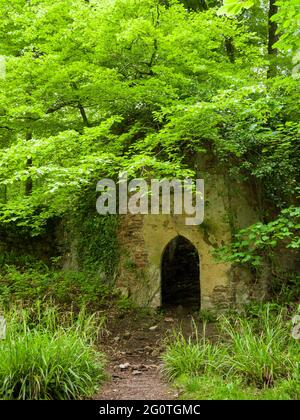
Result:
[
  {"x": 146, "y": 386},
  {"x": 133, "y": 344}
]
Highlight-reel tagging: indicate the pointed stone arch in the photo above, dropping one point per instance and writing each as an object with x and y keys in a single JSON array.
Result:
[{"x": 180, "y": 274}]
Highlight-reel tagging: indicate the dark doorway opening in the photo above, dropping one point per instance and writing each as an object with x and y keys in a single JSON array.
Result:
[{"x": 180, "y": 277}]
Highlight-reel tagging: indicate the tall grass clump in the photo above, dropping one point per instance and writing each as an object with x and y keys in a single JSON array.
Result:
[
  {"x": 191, "y": 356},
  {"x": 262, "y": 351},
  {"x": 49, "y": 358},
  {"x": 254, "y": 358}
]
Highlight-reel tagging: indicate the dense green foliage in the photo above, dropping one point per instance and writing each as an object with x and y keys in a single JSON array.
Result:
[
  {"x": 28, "y": 282},
  {"x": 97, "y": 248},
  {"x": 153, "y": 87},
  {"x": 251, "y": 243},
  {"x": 68, "y": 288},
  {"x": 254, "y": 358},
  {"x": 95, "y": 87},
  {"x": 49, "y": 355}
]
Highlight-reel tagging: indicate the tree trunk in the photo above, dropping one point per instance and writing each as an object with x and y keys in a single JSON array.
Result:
[
  {"x": 28, "y": 184},
  {"x": 272, "y": 38}
]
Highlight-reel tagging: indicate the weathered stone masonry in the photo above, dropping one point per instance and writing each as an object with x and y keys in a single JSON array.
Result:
[{"x": 143, "y": 239}]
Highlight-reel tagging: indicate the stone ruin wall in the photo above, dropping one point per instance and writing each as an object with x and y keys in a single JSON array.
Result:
[{"x": 143, "y": 238}]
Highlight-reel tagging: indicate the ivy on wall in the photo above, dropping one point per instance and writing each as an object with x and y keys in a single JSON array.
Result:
[{"x": 95, "y": 236}]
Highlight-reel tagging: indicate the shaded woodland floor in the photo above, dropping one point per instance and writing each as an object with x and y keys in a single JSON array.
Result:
[{"x": 133, "y": 345}]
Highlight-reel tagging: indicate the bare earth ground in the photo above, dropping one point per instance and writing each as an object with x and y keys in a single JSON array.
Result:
[{"x": 133, "y": 344}]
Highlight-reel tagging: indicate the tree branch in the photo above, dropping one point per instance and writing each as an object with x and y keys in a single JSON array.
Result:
[{"x": 83, "y": 114}]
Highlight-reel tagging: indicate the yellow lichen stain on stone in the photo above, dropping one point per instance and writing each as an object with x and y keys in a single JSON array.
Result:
[{"x": 145, "y": 237}]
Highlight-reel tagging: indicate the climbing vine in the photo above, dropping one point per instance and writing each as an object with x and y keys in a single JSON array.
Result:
[{"x": 96, "y": 239}]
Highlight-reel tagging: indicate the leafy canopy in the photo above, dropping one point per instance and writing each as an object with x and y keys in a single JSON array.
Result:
[{"x": 147, "y": 86}]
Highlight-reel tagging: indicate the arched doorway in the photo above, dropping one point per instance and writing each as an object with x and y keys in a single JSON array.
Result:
[{"x": 180, "y": 274}]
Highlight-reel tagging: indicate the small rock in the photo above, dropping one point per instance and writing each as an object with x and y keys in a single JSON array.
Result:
[
  {"x": 153, "y": 367},
  {"x": 126, "y": 334},
  {"x": 136, "y": 372},
  {"x": 135, "y": 367},
  {"x": 124, "y": 366},
  {"x": 117, "y": 338},
  {"x": 169, "y": 319},
  {"x": 155, "y": 353},
  {"x": 153, "y": 328}
]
